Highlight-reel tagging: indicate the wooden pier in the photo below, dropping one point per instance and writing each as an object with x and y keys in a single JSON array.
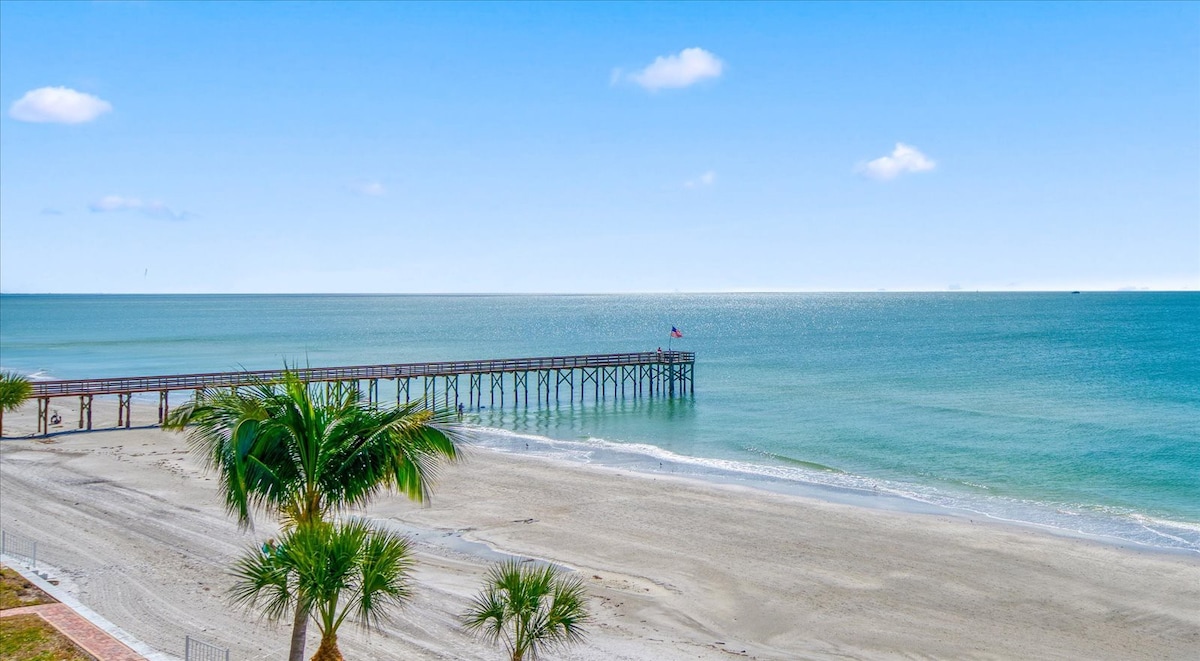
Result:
[{"x": 644, "y": 374}]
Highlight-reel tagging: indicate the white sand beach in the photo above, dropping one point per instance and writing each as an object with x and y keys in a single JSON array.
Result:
[{"x": 677, "y": 569}]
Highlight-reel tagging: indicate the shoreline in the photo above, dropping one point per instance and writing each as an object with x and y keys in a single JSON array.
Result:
[
  {"x": 638, "y": 458},
  {"x": 677, "y": 568},
  {"x": 850, "y": 489},
  {"x": 864, "y": 499}
]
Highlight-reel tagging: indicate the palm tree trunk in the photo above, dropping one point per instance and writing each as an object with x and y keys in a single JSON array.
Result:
[
  {"x": 328, "y": 651},
  {"x": 299, "y": 632}
]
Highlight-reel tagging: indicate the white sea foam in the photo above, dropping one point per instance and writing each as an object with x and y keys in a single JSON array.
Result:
[
  {"x": 1099, "y": 523},
  {"x": 39, "y": 375}
]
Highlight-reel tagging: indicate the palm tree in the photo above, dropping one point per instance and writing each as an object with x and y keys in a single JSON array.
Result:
[
  {"x": 333, "y": 571},
  {"x": 303, "y": 451},
  {"x": 14, "y": 390},
  {"x": 529, "y": 609}
]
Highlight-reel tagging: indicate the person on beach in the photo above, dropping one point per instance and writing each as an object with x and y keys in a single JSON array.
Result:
[{"x": 269, "y": 547}]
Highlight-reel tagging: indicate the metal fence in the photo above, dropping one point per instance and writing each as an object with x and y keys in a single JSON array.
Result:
[
  {"x": 20, "y": 547},
  {"x": 197, "y": 650}
]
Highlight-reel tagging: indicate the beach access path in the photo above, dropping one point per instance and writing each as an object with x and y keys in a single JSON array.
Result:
[{"x": 677, "y": 569}]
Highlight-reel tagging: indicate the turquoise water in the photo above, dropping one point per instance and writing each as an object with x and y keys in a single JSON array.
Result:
[{"x": 1078, "y": 412}]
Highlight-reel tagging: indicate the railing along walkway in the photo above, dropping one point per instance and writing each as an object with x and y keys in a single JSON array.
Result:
[
  {"x": 138, "y": 384},
  {"x": 661, "y": 372}
]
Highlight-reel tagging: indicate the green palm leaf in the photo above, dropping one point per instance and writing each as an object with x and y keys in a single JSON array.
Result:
[
  {"x": 335, "y": 571},
  {"x": 304, "y": 452},
  {"x": 528, "y": 609},
  {"x": 14, "y": 391}
]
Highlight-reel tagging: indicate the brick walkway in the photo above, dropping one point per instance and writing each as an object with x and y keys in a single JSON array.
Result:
[{"x": 92, "y": 639}]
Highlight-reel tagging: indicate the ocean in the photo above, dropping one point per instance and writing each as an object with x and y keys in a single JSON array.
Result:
[{"x": 1077, "y": 413}]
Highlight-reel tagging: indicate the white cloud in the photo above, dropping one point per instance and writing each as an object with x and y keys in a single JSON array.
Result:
[
  {"x": 904, "y": 158},
  {"x": 368, "y": 188},
  {"x": 707, "y": 179},
  {"x": 151, "y": 208},
  {"x": 690, "y": 66},
  {"x": 58, "y": 105}
]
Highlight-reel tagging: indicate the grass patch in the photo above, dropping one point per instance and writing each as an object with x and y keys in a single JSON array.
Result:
[
  {"x": 30, "y": 638},
  {"x": 15, "y": 591}
]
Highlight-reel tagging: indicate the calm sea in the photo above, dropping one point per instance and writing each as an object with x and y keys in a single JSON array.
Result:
[{"x": 1079, "y": 412}]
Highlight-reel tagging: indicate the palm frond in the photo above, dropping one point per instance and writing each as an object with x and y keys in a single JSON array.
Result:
[
  {"x": 331, "y": 570},
  {"x": 528, "y": 608},
  {"x": 383, "y": 580},
  {"x": 487, "y": 616},
  {"x": 309, "y": 451},
  {"x": 266, "y": 581},
  {"x": 14, "y": 390}
]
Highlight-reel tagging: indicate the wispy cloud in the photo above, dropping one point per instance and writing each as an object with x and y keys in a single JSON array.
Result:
[
  {"x": 48, "y": 211},
  {"x": 369, "y": 188},
  {"x": 903, "y": 159},
  {"x": 688, "y": 67},
  {"x": 707, "y": 179},
  {"x": 151, "y": 208},
  {"x": 58, "y": 105}
]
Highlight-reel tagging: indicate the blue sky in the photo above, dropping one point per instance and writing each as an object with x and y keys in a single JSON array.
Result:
[{"x": 337, "y": 147}]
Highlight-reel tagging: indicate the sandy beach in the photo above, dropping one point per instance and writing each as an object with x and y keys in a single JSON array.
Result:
[{"x": 677, "y": 569}]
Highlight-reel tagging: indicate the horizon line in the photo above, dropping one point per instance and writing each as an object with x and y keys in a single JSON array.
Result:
[{"x": 1122, "y": 290}]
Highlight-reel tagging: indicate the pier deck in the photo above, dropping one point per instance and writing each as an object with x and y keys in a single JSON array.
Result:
[{"x": 665, "y": 373}]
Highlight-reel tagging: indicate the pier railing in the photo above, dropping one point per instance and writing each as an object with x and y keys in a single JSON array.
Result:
[
  {"x": 139, "y": 384},
  {"x": 646, "y": 372}
]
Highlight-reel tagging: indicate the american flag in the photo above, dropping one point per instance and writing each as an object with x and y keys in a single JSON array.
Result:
[{"x": 675, "y": 333}]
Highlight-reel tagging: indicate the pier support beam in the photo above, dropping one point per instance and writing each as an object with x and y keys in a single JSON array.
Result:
[
  {"x": 629, "y": 374},
  {"x": 497, "y": 380},
  {"x": 543, "y": 382},
  {"x": 43, "y": 415},
  {"x": 85, "y": 412},
  {"x": 520, "y": 380},
  {"x": 124, "y": 409},
  {"x": 589, "y": 374},
  {"x": 565, "y": 376},
  {"x": 475, "y": 390},
  {"x": 608, "y": 375}
]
